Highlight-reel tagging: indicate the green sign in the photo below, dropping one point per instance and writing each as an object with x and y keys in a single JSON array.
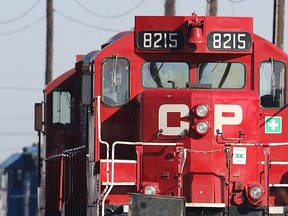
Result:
[{"x": 273, "y": 124}]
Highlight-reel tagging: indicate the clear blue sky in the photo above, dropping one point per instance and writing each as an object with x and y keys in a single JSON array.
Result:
[{"x": 79, "y": 27}]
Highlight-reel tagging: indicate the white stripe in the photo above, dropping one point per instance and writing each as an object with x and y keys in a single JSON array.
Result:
[
  {"x": 157, "y": 144},
  {"x": 278, "y": 144},
  {"x": 119, "y": 183},
  {"x": 276, "y": 210},
  {"x": 119, "y": 161},
  {"x": 125, "y": 208},
  {"x": 276, "y": 162},
  {"x": 214, "y": 205},
  {"x": 278, "y": 185}
]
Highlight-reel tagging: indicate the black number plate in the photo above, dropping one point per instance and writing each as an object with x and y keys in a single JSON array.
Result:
[
  {"x": 229, "y": 41},
  {"x": 160, "y": 40}
]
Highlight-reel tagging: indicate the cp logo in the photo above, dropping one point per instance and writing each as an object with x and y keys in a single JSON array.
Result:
[{"x": 224, "y": 114}]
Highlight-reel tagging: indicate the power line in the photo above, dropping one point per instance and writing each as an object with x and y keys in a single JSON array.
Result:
[
  {"x": 65, "y": 16},
  {"x": 21, "y": 15},
  {"x": 22, "y": 28},
  {"x": 85, "y": 24},
  {"x": 16, "y": 117},
  {"x": 14, "y": 133},
  {"x": 19, "y": 88},
  {"x": 236, "y": 1},
  {"x": 110, "y": 16}
]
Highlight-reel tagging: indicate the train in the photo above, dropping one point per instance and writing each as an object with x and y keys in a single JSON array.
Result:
[
  {"x": 18, "y": 183},
  {"x": 181, "y": 115}
]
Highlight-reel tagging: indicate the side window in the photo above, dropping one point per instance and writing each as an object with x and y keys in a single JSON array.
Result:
[
  {"x": 165, "y": 74},
  {"x": 272, "y": 83},
  {"x": 3, "y": 180},
  {"x": 16, "y": 177},
  {"x": 62, "y": 108},
  {"x": 227, "y": 75},
  {"x": 115, "y": 81}
]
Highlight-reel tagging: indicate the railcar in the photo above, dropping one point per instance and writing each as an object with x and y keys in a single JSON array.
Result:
[
  {"x": 18, "y": 183},
  {"x": 182, "y": 115}
]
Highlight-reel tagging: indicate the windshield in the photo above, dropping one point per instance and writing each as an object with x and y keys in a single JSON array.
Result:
[
  {"x": 115, "y": 81},
  {"x": 165, "y": 74},
  {"x": 222, "y": 74},
  {"x": 272, "y": 84}
]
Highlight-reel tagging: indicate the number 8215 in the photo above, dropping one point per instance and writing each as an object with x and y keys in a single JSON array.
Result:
[
  {"x": 229, "y": 41},
  {"x": 161, "y": 40}
]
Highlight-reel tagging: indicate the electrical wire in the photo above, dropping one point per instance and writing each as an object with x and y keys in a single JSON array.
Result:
[
  {"x": 110, "y": 16},
  {"x": 22, "y": 28},
  {"x": 21, "y": 15},
  {"x": 65, "y": 16},
  {"x": 85, "y": 24},
  {"x": 10, "y": 117},
  {"x": 19, "y": 88},
  {"x": 15, "y": 133},
  {"x": 236, "y": 1}
]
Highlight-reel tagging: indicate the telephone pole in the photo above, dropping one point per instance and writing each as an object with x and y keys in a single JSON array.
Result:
[
  {"x": 49, "y": 41},
  {"x": 211, "y": 8},
  {"x": 278, "y": 23},
  {"x": 169, "y": 8}
]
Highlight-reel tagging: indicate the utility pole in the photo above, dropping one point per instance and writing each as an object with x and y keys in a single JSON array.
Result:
[
  {"x": 169, "y": 8},
  {"x": 278, "y": 23},
  {"x": 49, "y": 41},
  {"x": 211, "y": 8}
]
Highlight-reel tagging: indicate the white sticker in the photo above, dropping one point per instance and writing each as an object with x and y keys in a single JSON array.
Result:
[{"x": 239, "y": 155}]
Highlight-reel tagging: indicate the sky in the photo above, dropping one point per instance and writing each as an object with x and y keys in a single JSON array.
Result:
[{"x": 80, "y": 26}]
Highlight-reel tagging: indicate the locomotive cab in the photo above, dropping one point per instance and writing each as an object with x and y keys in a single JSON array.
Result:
[{"x": 183, "y": 115}]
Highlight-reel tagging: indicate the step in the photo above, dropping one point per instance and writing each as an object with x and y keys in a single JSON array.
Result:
[{"x": 125, "y": 172}]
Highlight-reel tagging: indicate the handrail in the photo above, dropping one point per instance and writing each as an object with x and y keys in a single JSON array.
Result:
[
  {"x": 107, "y": 154},
  {"x": 113, "y": 162}
]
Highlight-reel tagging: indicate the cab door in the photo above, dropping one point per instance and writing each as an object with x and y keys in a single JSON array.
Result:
[
  {"x": 272, "y": 92},
  {"x": 272, "y": 87}
]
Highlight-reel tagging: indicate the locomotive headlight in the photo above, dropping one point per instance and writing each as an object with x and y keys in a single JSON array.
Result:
[
  {"x": 150, "y": 190},
  {"x": 202, "y": 127},
  {"x": 202, "y": 111},
  {"x": 255, "y": 193}
]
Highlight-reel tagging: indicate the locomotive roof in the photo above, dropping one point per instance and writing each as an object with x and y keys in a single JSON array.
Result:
[{"x": 10, "y": 160}]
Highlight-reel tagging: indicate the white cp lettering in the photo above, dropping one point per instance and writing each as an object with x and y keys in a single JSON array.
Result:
[
  {"x": 163, "y": 120},
  {"x": 235, "y": 118}
]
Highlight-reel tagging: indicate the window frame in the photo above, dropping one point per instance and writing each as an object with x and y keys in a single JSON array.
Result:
[
  {"x": 126, "y": 98},
  {"x": 238, "y": 88},
  {"x": 170, "y": 62},
  {"x": 273, "y": 106},
  {"x": 72, "y": 109}
]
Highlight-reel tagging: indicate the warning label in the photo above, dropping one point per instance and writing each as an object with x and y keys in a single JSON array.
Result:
[{"x": 239, "y": 155}]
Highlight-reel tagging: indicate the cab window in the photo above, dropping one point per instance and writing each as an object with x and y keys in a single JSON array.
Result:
[
  {"x": 272, "y": 83},
  {"x": 226, "y": 75},
  {"x": 165, "y": 74},
  {"x": 62, "y": 108},
  {"x": 16, "y": 177},
  {"x": 115, "y": 81}
]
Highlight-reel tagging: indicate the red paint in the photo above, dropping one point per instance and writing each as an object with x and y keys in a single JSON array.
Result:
[{"x": 216, "y": 167}]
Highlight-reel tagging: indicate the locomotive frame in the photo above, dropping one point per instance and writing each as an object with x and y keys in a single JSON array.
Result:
[{"x": 183, "y": 113}]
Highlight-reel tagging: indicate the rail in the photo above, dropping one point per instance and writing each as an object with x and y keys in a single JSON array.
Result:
[
  {"x": 111, "y": 183},
  {"x": 68, "y": 177},
  {"x": 107, "y": 152}
]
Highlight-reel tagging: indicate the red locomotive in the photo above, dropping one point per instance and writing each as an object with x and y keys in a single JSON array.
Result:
[{"x": 183, "y": 115}]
